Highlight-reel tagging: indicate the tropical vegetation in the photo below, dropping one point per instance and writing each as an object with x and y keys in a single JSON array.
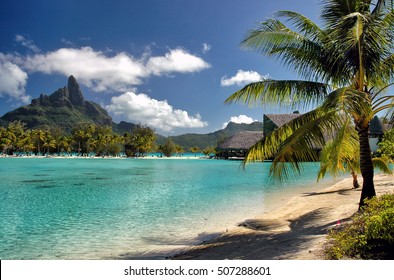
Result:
[
  {"x": 85, "y": 139},
  {"x": 168, "y": 148},
  {"x": 386, "y": 146},
  {"x": 369, "y": 235},
  {"x": 346, "y": 68},
  {"x": 341, "y": 155},
  {"x": 140, "y": 141}
]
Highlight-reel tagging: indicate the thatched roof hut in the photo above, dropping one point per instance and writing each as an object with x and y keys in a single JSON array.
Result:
[
  {"x": 273, "y": 121},
  {"x": 376, "y": 127},
  {"x": 236, "y": 146}
]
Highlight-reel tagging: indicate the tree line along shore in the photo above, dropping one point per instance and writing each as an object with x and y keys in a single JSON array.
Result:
[{"x": 87, "y": 140}]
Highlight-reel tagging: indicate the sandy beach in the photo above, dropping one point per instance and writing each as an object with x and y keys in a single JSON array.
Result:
[{"x": 295, "y": 231}]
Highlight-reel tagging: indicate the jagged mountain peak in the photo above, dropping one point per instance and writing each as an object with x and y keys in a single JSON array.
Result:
[
  {"x": 65, "y": 108},
  {"x": 74, "y": 91}
]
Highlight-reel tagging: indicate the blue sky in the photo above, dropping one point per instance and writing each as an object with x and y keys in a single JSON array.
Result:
[{"x": 167, "y": 64}]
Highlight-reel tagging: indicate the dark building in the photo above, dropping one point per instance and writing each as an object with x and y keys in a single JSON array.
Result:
[{"x": 237, "y": 146}]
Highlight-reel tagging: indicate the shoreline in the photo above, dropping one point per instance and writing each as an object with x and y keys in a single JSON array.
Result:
[
  {"x": 199, "y": 157},
  {"x": 294, "y": 231}
]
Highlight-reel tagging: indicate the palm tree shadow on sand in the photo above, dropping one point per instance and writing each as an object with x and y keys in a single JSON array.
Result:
[
  {"x": 267, "y": 239},
  {"x": 264, "y": 239}
]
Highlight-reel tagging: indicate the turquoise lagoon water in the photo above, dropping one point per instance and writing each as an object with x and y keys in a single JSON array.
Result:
[{"x": 127, "y": 208}]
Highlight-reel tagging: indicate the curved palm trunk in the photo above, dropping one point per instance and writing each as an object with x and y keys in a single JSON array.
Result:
[
  {"x": 366, "y": 166},
  {"x": 355, "y": 180}
]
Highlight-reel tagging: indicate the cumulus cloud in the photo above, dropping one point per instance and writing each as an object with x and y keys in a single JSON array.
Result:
[
  {"x": 12, "y": 80},
  {"x": 242, "y": 78},
  {"x": 239, "y": 119},
  {"x": 158, "y": 114},
  {"x": 177, "y": 60},
  {"x": 98, "y": 70},
  {"x": 206, "y": 47},
  {"x": 101, "y": 72},
  {"x": 92, "y": 68}
]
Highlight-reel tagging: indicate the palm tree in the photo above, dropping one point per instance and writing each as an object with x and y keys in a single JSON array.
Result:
[
  {"x": 64, "y": 143},
  {"x": 79, "y": 136},
  {"x": 342, "y": 155},
  {"x": 39, "y": 136},
  {"x": 57, "y": 134},
  {"x": 195, "y": 150},
  {"x": 49, "y": 142},
  {"x": 346, "y": 68},
  {"x": 15, "y": 130},
  {"x": 6, "y": 140},
  {"x": 179, "y": 150},
  {"x": 27, "y": 142},
  {"x": 209, "y": 151}
]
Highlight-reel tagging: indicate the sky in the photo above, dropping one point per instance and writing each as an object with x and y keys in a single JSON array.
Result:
[{"x": 166, "y": 64}]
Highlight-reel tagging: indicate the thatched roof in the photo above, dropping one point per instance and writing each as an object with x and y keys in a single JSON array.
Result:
[
  {"x": 281, "y": 119},
  {"x": 242, "y": 140},
  {"x": 376, "y": 127}
]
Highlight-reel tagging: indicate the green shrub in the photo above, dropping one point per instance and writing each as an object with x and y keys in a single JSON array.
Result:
[{"x": 370, "y": 234}]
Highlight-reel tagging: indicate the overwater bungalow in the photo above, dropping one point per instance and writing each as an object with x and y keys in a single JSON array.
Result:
[{"x": 237, "y": 146}]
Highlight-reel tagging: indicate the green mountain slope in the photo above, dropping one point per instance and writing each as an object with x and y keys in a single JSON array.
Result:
[
  {"x": 211, "y": 139},
  {"x": 67, "y": 108},
  {"x": 64, "y": 108}
]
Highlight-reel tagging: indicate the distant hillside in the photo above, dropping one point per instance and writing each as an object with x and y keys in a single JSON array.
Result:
[
  {"x": 211, "y": 139},
  {"x": 67, "y": 107},
  {"x": 64, "y": 108},
  {"x": 123, "y": 127}
]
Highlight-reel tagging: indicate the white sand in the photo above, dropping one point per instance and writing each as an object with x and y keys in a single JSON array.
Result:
[{"x": 297, "y": 230}]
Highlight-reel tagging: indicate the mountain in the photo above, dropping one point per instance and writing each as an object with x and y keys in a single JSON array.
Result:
[
  {"x": 123, "y": 127},
  {"x": 67, "y": 107},
  {"x": 64, "y": 108},
  {"x": 211, "y": 139}
]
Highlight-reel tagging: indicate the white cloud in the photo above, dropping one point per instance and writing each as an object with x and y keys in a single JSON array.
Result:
[
  {"x": 239, "y": 119},
  {"x": 12, "y": 80},
  {"x": 26, "y": 43},
  {"x": 100, "y": 72},
  {"x": 206, "y": 47},
  {"x": 158, "y": 114},
  {"x": 242, "y": 78},
  {"x": 91, "y": 67},
  {"x": 177, "y": 60}
]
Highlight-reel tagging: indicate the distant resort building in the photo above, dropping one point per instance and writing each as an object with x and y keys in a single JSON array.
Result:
[
  {"x": 376, "y": 132},
  {"x": 238, "y": 145},
  {"x": 273, "y": 121}
]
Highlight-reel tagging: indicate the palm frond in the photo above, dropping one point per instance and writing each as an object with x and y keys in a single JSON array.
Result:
[
  {"x": 302, "y": 146},
  {"x": 294, "y": 143},
  {"x": 334, "y": 10},
  {"x": 341, "y": 154},
  {"x": 349, "y": 100},
  {"x": 283, "y": 93},
  {"x": 386, "y": 71},
  {"x": 390, "y": 114},
  {"x": 383, "y": 164},
  {"x": 268, "y": 35},
  {"x": 383, "y": 103},
  {"x": 301, "y": 50},
  {"x": 382, "y": 5},
  {"x": 305, "y": 25}
]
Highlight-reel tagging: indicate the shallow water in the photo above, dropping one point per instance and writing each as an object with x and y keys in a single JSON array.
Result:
[{"x": 114, "y": 208}]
